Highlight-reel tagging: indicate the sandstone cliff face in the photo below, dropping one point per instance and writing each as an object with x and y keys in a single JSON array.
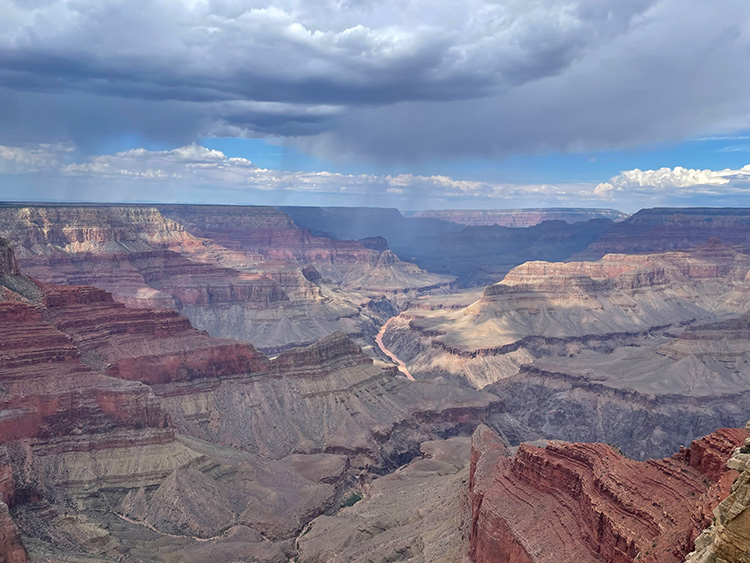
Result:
[
  {"x": 274, "y": 236},
  {"x": 151, "y": 346},
  {"x": 728, "y": 538},
  {"x": 585, "y": 502}
]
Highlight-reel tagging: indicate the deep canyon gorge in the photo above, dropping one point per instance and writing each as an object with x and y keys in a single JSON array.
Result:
[{"x": 235, "y": 383}]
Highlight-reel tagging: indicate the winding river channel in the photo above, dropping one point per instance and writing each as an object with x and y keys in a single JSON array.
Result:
[{"x": 379, "y": 341}]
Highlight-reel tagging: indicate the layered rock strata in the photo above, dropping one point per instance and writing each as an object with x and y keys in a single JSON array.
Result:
[
  {"x": 130, "y": 433},
  {"x": 246, "y": 273},
  {"x": 545, "y": 308},
  {"x": 660, "y": 229},
  {"x": 728, "y": 538},
  {"x": 586, "y": 502}
]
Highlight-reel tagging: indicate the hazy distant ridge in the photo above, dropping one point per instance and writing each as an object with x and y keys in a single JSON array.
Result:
[{"x": 518, "y": 217}]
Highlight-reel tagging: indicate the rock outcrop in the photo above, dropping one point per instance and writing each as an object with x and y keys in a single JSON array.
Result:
[
  {"x": 416, "y": 513},
  {"x": 573, "y": 502},
  {"x": 8, "y": 263},
  {"x": 727, "y": 540}
]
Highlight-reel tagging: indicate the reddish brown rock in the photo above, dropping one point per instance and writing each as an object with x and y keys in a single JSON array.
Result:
[
  {"x": 11, "y": 548},
  {"x": 102, "y": 471},
  {"x": 573, "y": 502},
  {"x": 147, "y": 345}
]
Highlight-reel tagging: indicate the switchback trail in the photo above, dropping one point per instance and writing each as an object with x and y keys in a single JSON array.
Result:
[{"x": 379, "y": 341}]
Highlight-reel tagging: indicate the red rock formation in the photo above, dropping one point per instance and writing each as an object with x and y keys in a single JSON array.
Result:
[
  {"x": 86, "y": 437},
  {"x": 147, "y": 345},
  {"x": 572, "y": 502},
  {"x": 11, "y": 548}
]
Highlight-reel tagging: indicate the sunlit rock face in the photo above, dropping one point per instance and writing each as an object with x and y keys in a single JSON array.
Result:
[
  {"x": 728, "y": 537},
  {"x": 644, "y": 351},
  {"x": 574, "y": 502}
]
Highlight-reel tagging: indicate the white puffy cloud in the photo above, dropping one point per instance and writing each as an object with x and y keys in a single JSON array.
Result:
[{"x": 676, "y": 181}]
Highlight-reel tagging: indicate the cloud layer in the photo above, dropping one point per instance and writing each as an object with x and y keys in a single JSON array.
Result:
[
  {"x": 193, "y": 173},
  {"x": 388, "y": 80}
]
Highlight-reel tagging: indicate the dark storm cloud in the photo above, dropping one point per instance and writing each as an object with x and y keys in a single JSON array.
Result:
[{"x": 388, "y": 79}]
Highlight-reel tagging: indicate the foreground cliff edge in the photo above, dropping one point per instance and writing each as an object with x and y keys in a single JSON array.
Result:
[{"x": 573, "y": 502}]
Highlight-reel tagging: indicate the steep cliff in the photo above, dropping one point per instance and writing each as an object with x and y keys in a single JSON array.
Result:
[
  {"x": 586, "y": 502},
  {"x": 727, "y": 540}
]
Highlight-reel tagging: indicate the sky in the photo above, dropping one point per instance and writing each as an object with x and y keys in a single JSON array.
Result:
[{"x": 415, "y": 104}]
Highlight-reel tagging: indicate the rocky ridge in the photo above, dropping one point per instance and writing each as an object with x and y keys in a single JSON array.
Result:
[
  {"x": 662, "y": 229},
  {"x": 728, "y": 538},
  {"x": 586, "y": 502},
  {"x": 518, "y": 217}
]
